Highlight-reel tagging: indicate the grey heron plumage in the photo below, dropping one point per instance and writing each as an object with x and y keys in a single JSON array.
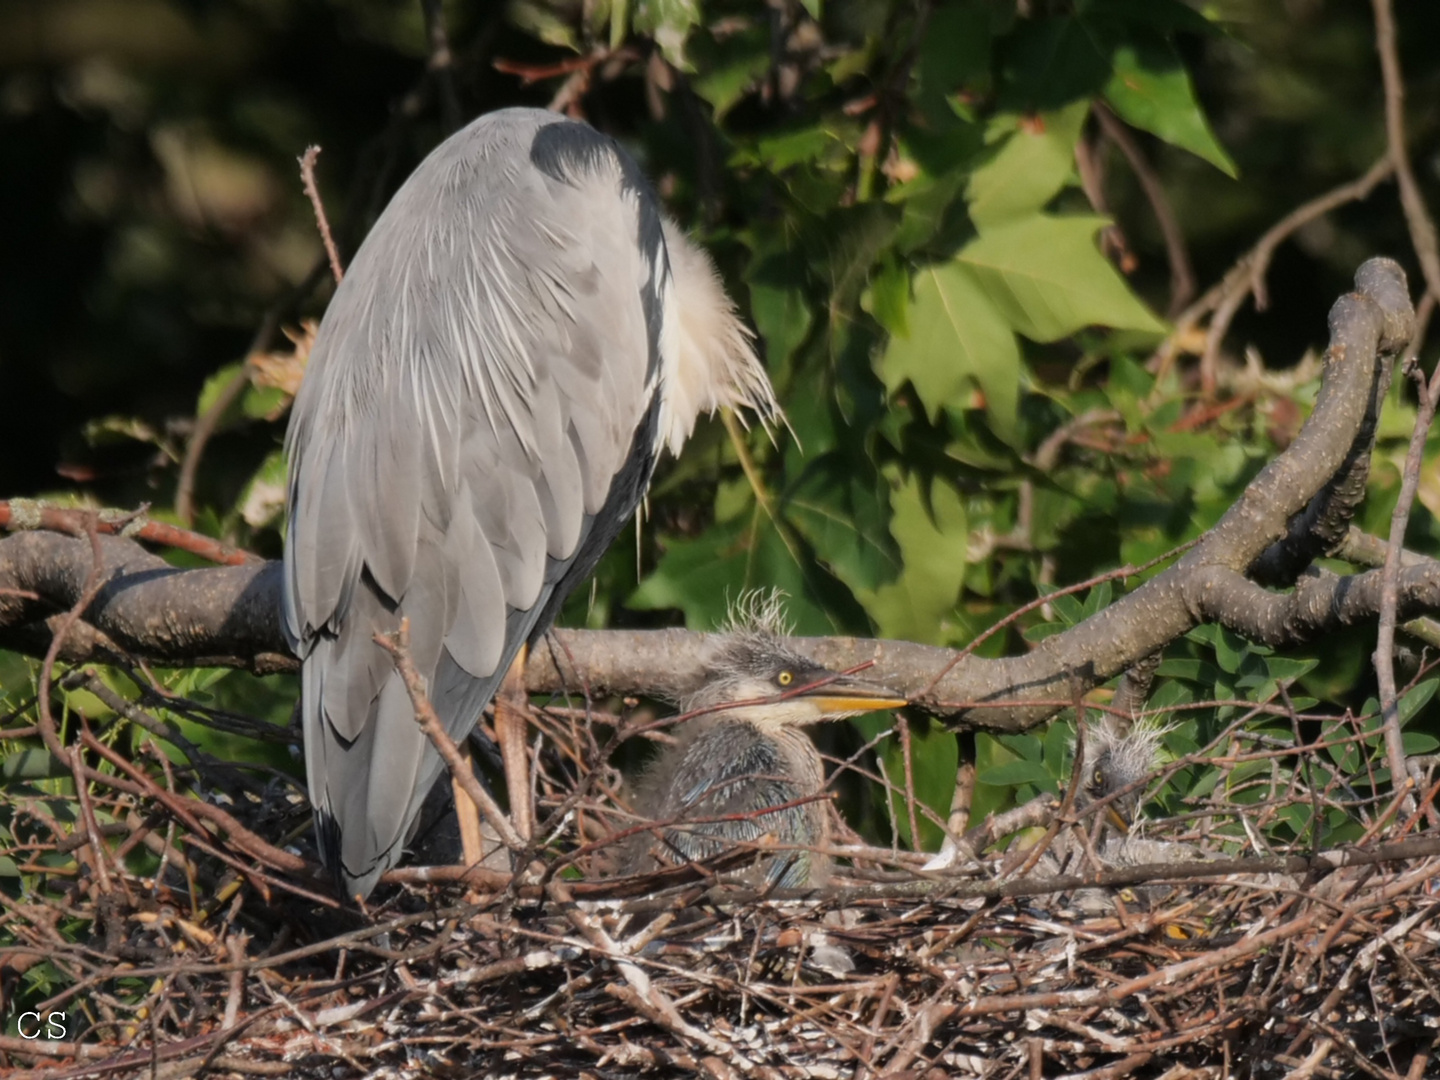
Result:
[
  {"x": 516, "y": 340},
  {"x": 744, "y": 768}
]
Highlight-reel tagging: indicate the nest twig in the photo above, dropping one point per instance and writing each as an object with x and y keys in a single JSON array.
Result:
[{"x": 205, "y": 952}]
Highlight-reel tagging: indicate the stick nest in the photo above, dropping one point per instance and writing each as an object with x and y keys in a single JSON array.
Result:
[{"x": 225, "y": 960}]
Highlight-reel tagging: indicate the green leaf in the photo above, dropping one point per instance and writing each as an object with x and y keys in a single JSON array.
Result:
[
  {"x": 918, "y": 604},
  {"x": 1051, "y": 63},
  {"x": 934, "y": 756},
  {"x": 778, "y": 304},
  {"x": 849, "y": 243},
  {"x": 958, "y": 341},
  {"x": 1059, "y": 741},
  {"x": 780, "y": 152},
  {"x": 32, "y": 763},
  {"x": 728, "y": 69},
  {"x": 1417, "y": 742},
  {"x": 888, "y": 298},
  {"x": 704, "y": 575},
  {"x": 1067, "y": 607},
  {"x": 1230, "y": 651},
  {"x": 844, "y": 519},
  {"x": 264, "y": 402},
  {"x": 214, "y": 387},
  {"x": 954, "y": 54},
  {"x": 16, "y": 675},
  {"x": 1015, "y": 773},
  {"x": 1047, "y": 279},
  {"x": 1097, "y": 600},
  {"x": 1191, "y": 670},
  {"x": 1151, "y": 89},
  {"x": 669, "y": 22},
  {"x": 1034, "y": 162},
  {"x": 1412, "y": 702}
]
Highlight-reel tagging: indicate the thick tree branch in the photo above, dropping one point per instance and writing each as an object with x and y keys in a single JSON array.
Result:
[
  {"x": 1320, "y": 603},
  {"x": 151, "y": 610},
  {"x": 147, "y": 607}
]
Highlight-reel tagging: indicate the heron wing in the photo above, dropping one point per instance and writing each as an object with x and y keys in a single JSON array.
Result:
[{"x": 475, "y": 425}]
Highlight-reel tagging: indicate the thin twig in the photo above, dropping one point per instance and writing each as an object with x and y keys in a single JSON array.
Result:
[
  {"x": 1091, "y": 169},
  {"x": 1417, "y": 215},
  {"x": 1248, "y": 273},
  {"x": 312, "y": 192},
  {"x": 208, "y": 421},
  {"x": 20, "y": 514},
  {"x": 1182, "y": 273},
  {"x": 398, "y": 646},
  {"x": 1389, "y": 597},
  {"x": 1422, "y": 237}
]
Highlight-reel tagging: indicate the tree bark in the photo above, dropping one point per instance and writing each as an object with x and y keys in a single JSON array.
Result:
[{"x": 1298, "y": 508}]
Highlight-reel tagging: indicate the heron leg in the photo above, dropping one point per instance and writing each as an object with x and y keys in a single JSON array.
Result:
[
  {"x": 471, "y": 839},
  {"x": 512, "y": 724}
]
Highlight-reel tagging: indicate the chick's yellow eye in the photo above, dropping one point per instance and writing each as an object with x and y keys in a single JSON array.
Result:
[
  {"x": 785, "y": 678},
  {"x": 1098, "y": 780}
]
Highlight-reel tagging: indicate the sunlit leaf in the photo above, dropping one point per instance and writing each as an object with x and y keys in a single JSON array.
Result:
[
  {"x": 934, "y": 755},
  {"x": 1047, "y": 279},
  {"x": 888, "y": 298},
  {"x": 216, "y": 385},
  {"x": 1151, "y": 89},
  {"x": 917, "y": 604},
  {"x": 958, "y": 342},
  {"x": 669, "y": 22},
  {"x": 702, "y": 576},
  {"x": 844, "y": 519},
  {"x": 1015, "y": 773},
  {"x": 1036, "y": 159},
  {"x": 725, "y": 71}
]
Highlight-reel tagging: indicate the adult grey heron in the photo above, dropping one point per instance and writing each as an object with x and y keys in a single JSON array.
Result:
[
  {"x": 744, "y": 768},
  {"x": 517, "y": 339}
]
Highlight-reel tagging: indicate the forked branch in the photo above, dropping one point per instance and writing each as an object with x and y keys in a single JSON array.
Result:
[{"x": 1296, "y": 510}]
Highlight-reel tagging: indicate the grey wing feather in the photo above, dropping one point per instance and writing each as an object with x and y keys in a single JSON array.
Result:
[{"x": 474, "y": 393}]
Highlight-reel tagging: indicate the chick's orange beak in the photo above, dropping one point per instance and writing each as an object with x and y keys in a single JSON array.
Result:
[{"x": 849, "y": 696}]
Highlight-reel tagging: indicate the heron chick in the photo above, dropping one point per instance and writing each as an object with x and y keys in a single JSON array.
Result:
[
  {"x": 744, "y": 768},
  {"x": 1117, "y": 757}
]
